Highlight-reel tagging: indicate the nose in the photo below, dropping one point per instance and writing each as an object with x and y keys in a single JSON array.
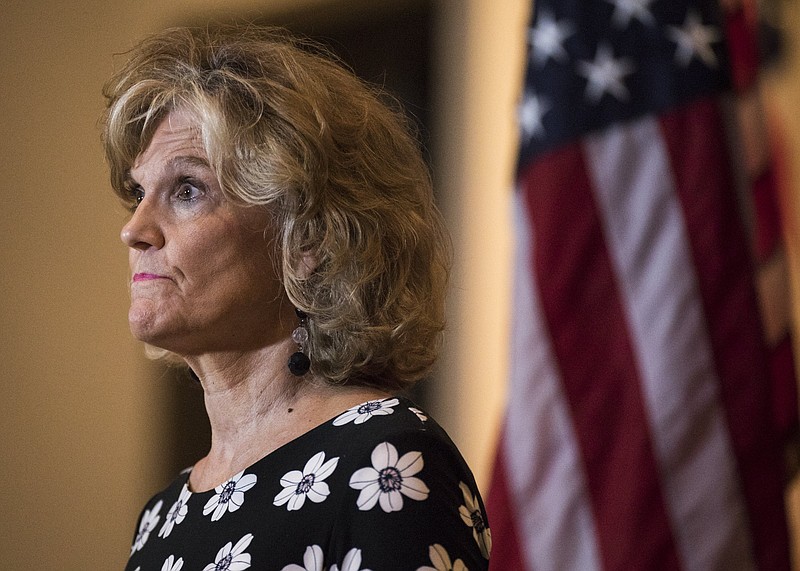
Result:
[{"x": 143, "y": 230}]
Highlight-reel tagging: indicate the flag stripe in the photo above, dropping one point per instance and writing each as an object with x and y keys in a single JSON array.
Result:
[
  {"x": 694, "y": 135},
  {"x": 591, "y": 343},
  {"x": 743, "y": 49},
  {"x": 545, "y": 473},
  {"x": 647, "y": 240},
  {"x": 509, "y": 554},
  {"x": 784, "y": 394}
]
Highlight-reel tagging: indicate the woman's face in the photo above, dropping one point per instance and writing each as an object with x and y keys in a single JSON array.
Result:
[{"x": 203, "y": 277}]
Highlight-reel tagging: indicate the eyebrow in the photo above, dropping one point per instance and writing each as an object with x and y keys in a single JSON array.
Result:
[
  {"x": 177, "y": 162},
  {"x": 188, "y": 160}
]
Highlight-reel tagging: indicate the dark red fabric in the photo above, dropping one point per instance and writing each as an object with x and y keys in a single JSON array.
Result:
[{"x": 506, "y": 550}]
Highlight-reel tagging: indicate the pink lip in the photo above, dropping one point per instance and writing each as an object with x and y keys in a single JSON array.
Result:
[{"x": 144, "y": 277}]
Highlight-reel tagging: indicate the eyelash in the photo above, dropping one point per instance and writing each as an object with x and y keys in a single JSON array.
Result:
[
  {"x": 187, "y": 184},
  {"x": 136, "y": 194}
]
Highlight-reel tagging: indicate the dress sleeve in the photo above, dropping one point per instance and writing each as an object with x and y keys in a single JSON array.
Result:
[{"x": 412, "y": 505}]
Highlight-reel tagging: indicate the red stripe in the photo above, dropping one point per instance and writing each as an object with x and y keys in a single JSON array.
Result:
[
  {"x": 694, "y": 136},
  {"x": 591, "y": 343},
  {"x": 743, "y": 48},
  {"x": 784, "y": 388},
  {"x": 506, "y": 551}
]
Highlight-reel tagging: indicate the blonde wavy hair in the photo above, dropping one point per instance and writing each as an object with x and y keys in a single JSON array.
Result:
[{"x": 286, "y": 126}]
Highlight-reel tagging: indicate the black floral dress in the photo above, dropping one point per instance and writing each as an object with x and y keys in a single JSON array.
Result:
[{"x": 380, "y": 487}]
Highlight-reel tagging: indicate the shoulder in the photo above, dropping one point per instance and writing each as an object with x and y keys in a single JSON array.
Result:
[
  {"x": 410, "y": 490},
  {"x": 391, "y": 425},
  {"x": 391, "y": 415}
]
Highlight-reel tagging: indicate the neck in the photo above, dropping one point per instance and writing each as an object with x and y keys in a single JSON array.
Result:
[{"x": 255, "y": 405}]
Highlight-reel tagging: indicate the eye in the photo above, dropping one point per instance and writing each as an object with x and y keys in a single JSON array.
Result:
[
  {"x": 187, "y": 192},
  {"x": 136, "y": 195}
]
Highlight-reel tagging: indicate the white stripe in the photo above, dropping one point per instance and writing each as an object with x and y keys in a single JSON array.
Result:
[
  {"x": 647, "y": 239},
  {"x": 546, "y": 480}
]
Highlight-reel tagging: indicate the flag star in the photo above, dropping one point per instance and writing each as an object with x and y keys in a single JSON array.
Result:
[
  {"x": 605, "y": 74},
  {"x": 547, "y": 38},
  {"x": 625, "y": 10},
  {"x": 531, "y": 113},
  {"x": 694, "y": 39}
]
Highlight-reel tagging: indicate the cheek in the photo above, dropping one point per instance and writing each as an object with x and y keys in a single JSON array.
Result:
[
  {"x": 225, "y": 260},
  {"x": 254, "y": 280},
  {"x": 236, "y": 269},
  {"x": 248, "y": 255}
]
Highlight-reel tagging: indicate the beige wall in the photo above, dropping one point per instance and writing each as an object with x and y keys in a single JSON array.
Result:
[
  {"x": 80, "y": 422},
  {"x": 475, "y": 162},
  {"x": 73, "y": 422}
]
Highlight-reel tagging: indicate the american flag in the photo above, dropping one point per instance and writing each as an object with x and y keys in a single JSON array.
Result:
[{"x": 641, "y": 430}]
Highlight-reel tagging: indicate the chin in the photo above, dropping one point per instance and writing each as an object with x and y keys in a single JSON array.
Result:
[
  {"x": 146, "y": 336},
  {"x": 150, "y": 330},
  {"x": 150, "y": 323},
  {"x": 160, "y": 339}
]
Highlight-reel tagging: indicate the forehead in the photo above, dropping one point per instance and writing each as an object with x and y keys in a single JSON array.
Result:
[{"x": 177, "y": 136}]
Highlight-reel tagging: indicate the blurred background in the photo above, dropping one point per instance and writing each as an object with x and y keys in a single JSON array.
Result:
[{"x": 89, "y": 429}]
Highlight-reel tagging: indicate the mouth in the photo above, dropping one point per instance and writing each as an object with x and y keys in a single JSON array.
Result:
[{"x": 143, "y": 277}]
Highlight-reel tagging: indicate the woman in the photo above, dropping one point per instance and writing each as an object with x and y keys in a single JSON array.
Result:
[{"x": 283, "y": 244}]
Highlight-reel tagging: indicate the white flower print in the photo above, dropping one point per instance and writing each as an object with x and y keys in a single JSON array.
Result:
[
  {"x": 472, "y": 516},
  {"x": 171, "y": 565},
  {"x": 148, "y": 524},
  {"x": 419, "y": 413},
  {"x": 363, "y": 412},
  {"x": 352, "y": 562},
  {"x": 441, "y": 560},
  {"x": 229, "y": 496},
  {"x": 312, "y": 560},
  {"x": 176, "y": 513},
  {"x": 389, "y": 479},
  {"x": 309, "y": 483},
  {"x": 232, "y": 557}
]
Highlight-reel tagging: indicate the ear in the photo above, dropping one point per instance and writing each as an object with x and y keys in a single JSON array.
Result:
[{"x": 308, "y": 263}]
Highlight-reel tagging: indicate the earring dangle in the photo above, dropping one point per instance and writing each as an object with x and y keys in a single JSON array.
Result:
[{"x": 299, "y": 363}]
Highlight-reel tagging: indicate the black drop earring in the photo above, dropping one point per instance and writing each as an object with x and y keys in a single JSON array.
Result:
[{"x": 299, "y": 363}]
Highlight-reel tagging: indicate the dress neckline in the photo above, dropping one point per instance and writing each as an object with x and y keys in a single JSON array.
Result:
[{"x": 254, "y": 466}]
